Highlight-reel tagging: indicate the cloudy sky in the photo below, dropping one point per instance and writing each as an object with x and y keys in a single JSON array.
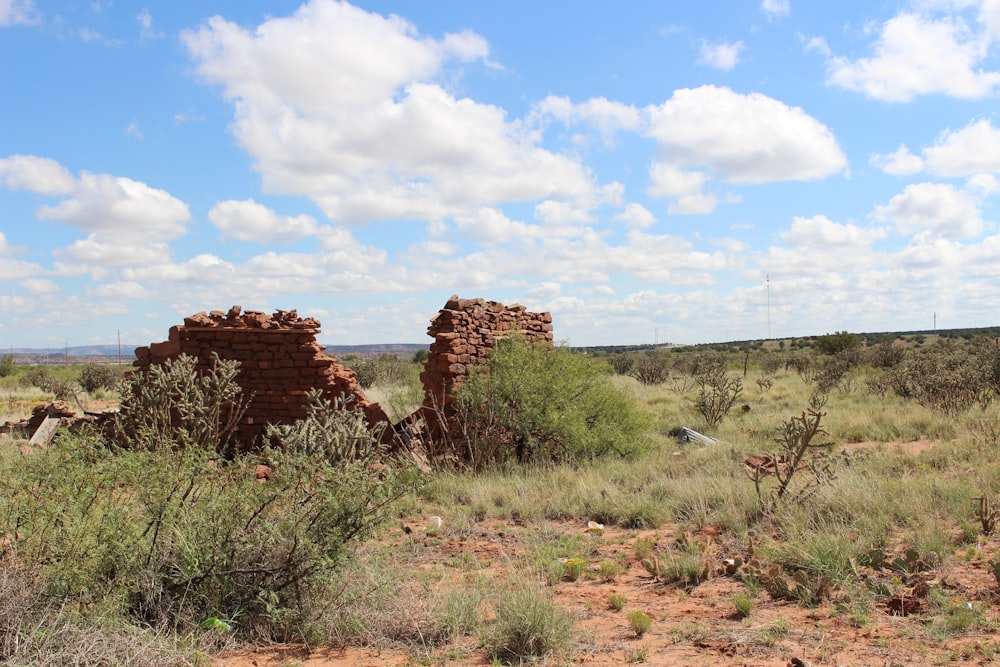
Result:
[{"x": 646, "y": 171}]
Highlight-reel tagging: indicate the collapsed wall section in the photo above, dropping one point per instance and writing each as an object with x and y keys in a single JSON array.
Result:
[
  {"x": 465, "y": 332},
  {"x": 280, "y": 361}
]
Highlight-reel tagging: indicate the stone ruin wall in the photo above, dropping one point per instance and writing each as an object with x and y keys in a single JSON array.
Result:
[
  {"x": 280, "y": 361},
  {"x": 464, "y": 334}
]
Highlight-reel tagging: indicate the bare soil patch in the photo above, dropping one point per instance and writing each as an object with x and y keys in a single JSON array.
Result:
[{"x": 697, "y": 625}]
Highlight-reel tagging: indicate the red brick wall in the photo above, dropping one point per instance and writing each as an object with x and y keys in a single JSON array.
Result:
[
  {"x": 464, "y": 334},
  {"x": 280, "y": 361}
]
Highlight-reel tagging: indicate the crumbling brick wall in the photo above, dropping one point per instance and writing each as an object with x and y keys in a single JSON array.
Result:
[
  {"x": 280, "y": 361},
  {"x": 464, "y": 334}
]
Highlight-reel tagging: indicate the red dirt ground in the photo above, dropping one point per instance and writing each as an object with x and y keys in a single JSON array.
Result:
[{"x": 696, "y": 626}]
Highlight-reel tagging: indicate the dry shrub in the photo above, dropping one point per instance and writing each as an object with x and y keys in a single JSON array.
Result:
[
  {"x": 770, "y": 363},
  {"x": 651, "y": 368},
  {"x": 944, "y": 378},
  {"x": 718, "y": 391},
  {"x": 37, "y": 630},
  {"x": 886, "y": 355}
]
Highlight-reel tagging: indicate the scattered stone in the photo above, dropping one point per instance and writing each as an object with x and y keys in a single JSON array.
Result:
[{"x": 42, "y": 425}]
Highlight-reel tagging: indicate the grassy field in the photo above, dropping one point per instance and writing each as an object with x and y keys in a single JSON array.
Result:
[{"x": 880, "y": 552}]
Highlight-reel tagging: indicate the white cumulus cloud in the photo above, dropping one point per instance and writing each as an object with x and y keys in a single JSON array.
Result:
[
  {"x": 17, "y": 12},
  {"x": 936, "y": 208},
  {"x": 108, "y": 204},
  {"x": 724, "y": 56},
  {"x": 776, "y": 7},
  {"x": 973, "y": 149},
  {"x": 817, "y": 44},
  {"x": 38, "y": 286},
  {"x": 693, "y": 204},
  {"x": 105, "y": 250},
  {"x": 121, "y": 291},
  {"x": 35, "y": 174},
  {"x": 901, "y": 162},
  {"x": 249, "y": 221},
  {"x": 146, "y": 31},
  {"x": 347, "y": 107},
  {"x": 666, "y": 180},
  {"x": 608, "y": 117},
  {"x": 821, "y": 232},
  {"x": 636, "y": 216},
  {"x": 919, "y": 54},
  {"x": 743, "y": 138}
]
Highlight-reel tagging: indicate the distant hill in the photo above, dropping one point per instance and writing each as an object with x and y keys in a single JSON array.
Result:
[
  {"x": 76, "y": 351},
  {"x": 109, "y": 353},
  {"x": 395, "y": 349}
]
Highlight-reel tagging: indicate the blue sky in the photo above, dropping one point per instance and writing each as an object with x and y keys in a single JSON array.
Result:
[{"x": 648, "y": 172}]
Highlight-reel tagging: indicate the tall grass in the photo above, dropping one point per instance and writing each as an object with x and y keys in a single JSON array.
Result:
[
  {"x": 882, "y": 496},
  {"x": 112, "y": 534}
]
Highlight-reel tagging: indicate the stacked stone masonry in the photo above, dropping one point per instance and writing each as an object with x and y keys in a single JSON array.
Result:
[
  {"x": 464, "y": 334},
  {"x": 280, "y": 361}
]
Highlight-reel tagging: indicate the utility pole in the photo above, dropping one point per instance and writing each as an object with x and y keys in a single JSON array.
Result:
[
  {"x": 119, "y": 347},
  {"x": 767, "y": 280}
]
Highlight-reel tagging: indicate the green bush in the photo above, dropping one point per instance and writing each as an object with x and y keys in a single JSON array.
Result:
[
  {"x": 37, "y": 376},
  {"x": 640, "y": 622},
  {"x": 838, "y": 342},
  {"x": 530, "y": 403},
  {"x": 46, "y": 380},
  {"x": 177, "y": 537},
  {"x": 8, "y": 366},
  {"x": 99, "y": 376},
  {"x": 384, "y": 370}
]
